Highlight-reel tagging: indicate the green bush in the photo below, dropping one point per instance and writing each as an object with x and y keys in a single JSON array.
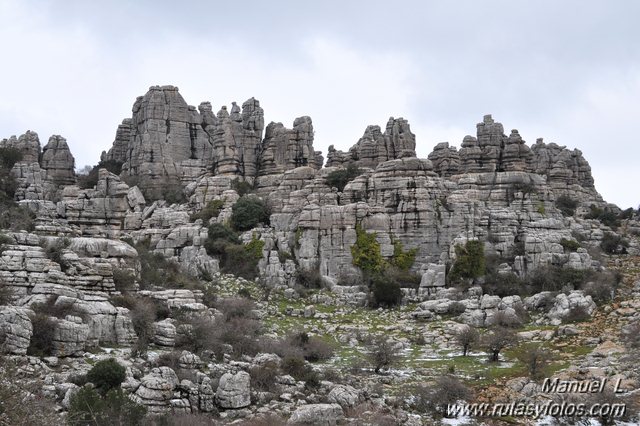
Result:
[
  {"x": 242, "y": 187},
  {"x": 88, "y": 408},
  {"x": 605, "y": 216},
  {"x": 503, "y": 284},
  {"x": 106, "y": 375},
  {"x": 401, "y": 259},
  {"x": 553, "y": 278},
  {"x": 386, "y": 292},
  {"x": 157, "y": 270},
  {"x": 9, "y": 157},
  {"x": 613, "y": 244},
  {"x": 248, "y": 212},
  {"x": 469, "y": 263},
  {"x": 218, "y": 237},
  {"x": 566, "y": 205},
  {"x": 340, "y": 178},
  {"x": 569, "y": 245},
  {"x": 55, "y": 251},
  {"x": 366, "y": 252},
  {"x": 309, "y": 278},
  {"x": 212, "y": 209},
  {"x": 14, "y": 216}
]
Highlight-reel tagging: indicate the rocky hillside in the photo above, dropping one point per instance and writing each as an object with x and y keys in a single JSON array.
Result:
[{"x": 221, "y": 274}]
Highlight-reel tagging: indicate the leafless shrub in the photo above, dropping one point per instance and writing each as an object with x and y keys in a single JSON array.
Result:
[
  {"x": 497, "y": 340},
  {"x": 467, "y": 337}
]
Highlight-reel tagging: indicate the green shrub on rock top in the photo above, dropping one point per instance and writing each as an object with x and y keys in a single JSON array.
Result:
[
  {"x": 248, "y": 212},
  {"x": 340, "y": 178},
  {"x": 401, "y": 259}
]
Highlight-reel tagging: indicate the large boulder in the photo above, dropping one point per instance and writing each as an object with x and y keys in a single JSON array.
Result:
[
  {"x": 317, "y": 415},
  {"x": 15, "y": 329},
  {"x": 234, "y": 390}
]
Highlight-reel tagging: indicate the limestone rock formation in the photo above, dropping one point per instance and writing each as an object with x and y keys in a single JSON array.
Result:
[
  {"x": 375, "y": 147},
  {"x": 285, "y": 149},
  {"x": 317, "y": 415},
  {"x": 16, "y": 329},
  {"x": 28, "y": 144},
  {"x": 58, "y": 161},
  {"x": 234, "y": 390}
]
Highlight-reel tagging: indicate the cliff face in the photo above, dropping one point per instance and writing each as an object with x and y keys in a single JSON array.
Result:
[{"x": 495, "y": 188}]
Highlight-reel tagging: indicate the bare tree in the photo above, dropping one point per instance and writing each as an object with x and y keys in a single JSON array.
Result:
[
  {"x": 536, "y": 358},
  {"x": 467, "y": 337},
  {"x": 499, "y": 339},
  {"x": 382, "y": 353}
]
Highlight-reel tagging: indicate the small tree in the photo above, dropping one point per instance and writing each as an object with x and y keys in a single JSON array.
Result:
[
  {"x": 382, "y": 353},
  {"x": 248, "y": 212},
  {"x": 566, "y": 205},
  {"x": 445, "y": 391},
  {"x": 106, "y": 375},
  {"x": 470, "y": 261},
  {"x": 88, "y": 407},
  {"x": 497, "y": 340},
  {"x": 340, "y": 178},
  {"x": 536, "y": 359},
  {"x": 467, "y": 337}
]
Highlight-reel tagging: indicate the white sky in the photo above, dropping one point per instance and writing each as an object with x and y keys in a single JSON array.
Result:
[{"x": 567, "y": 71}]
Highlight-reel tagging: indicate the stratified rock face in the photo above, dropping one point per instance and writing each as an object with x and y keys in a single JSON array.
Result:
[
  {"x": 16, "y": 329},
  {"x": 58, "y": 161},
  {"x": 375, "y": 147},
  {"x": 28, "y": 144},
  {"x": 163, "y": 133},
  {"x": 561, "y": 165},
  {"x": 445, "y": 159},
  {"x": 285, "y": 149},
  {"x": 234, "y": 390},
  {"x": 492, "y": 151},
  {"x": 237, "y": 140}
]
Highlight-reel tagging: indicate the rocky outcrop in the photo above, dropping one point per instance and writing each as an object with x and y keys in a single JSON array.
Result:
[
  {"x": 445, "y": 160},
  {"x": 317, "y": 415},
  {"x": 375, "y": 147},
  {"x": 58, "y": 162},
  {"x": 156, "y": 389},
  {"x": 234, "y": 390},
  {"x": 70, "y": 337},
  {"x": 285, "y": 149},
  {"x": 28, "y": 144},
  {"x": 15, "y": 330}
]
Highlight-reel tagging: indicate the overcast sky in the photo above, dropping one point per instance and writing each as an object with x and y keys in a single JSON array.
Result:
[{"x": 568, "y": 71}]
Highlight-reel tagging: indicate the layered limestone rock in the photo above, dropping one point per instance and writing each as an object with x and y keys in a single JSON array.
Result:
[
  {"x": 156, "y": 389},
  {"x": 164, "y": 133},
  {"x": 237, "y": 139},
  {"x": 234, "y": 390},
  {"x": 285, "y": 149},
  {"x": 28, "y": 144},
  {"x": 375, "y": 147},
  {"x": 445, "y": 160},
  {"x": 15, "y": 330},
  {"x": 58, "y": 161}
]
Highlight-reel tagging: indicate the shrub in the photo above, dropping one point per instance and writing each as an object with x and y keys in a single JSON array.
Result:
[
  {"x": 294, "y": 365},
  {"x": 87, "y": 407},
  {"x": 445, "y": 391},
  {"x": 497, "y": 340},
  {"x": 235, "y": 307},
  {"x": 124, "y": 280},
  {"x": 15, "y": 217},
  {"x": 503, "y": 284},
  {"x": 613, "y": 244},
  {"x": 212, "y": 209},
  {"x": 382, "y": 353},
  {"x": 143, "y": 316},
  {"x": 566, "y": 205},
  {"x": 41, "y": 343},
  {"x": 601, "y": 291},
  {"x": 469, "y": 263},
  {"x": 218, "y": 237},
  {"x": 263, "y": 377},
  {"x": 366, "y": 252},
  {"x": 536, "y": 359},
  {"x": 553, "y": 278},
  {"x": 577, "y": 314},
  {"x": 9, "y": 157},
  {"x": 403, "y": 260},
  {"x": 605, "y": 215},
  {"x": 339, "y": 178},
  {"x": 106, "y": 375},
  {"x": 55, "y": 251},
  {"x": 309, "y": 278},
  {"x": 457, "y": 308},
  {"x": 467, "y": 337},
  {"x": 242, "y": 187},
  {"x": 241, "y": 260},
  {"x": 52, "y": 308},
  {"x": 317, "y": 349},
  {"x": 248, "y": 212},
  {"x": 386, "y": 292},
  {"x": 156, "y": 270},
  {"x": 569, "y": 245}
]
